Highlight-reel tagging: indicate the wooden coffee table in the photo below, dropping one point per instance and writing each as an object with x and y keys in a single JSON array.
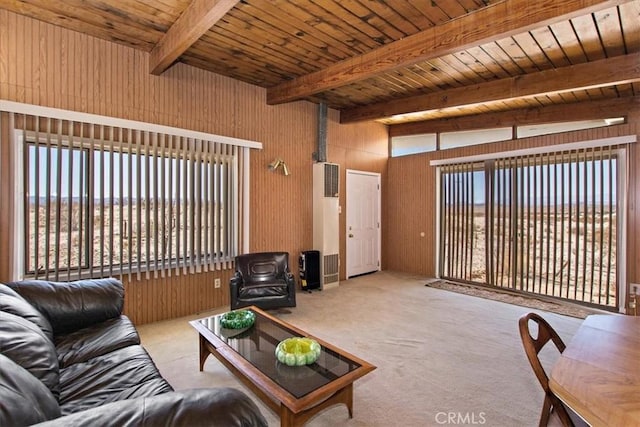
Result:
[{"x": 295, "y": 393}]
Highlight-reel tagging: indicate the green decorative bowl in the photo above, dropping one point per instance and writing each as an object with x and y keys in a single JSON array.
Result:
[
  {"x": 298, "y": 351},
  {"x": 237, "y": 319}
]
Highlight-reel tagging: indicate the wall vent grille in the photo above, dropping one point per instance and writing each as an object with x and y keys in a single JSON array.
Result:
[
  {"x": 331, "y": 180},
  {"x": 331, "y": 268}
]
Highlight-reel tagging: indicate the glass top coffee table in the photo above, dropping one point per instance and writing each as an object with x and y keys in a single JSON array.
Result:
[{"x": 296, "y": 393}]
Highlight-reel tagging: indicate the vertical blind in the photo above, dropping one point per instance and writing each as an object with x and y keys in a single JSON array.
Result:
[
  {"x": 103, "y": 200},
  {"x": 545, "y": 223}
]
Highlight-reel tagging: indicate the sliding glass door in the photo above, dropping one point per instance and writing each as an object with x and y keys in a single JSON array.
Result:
[{"x": 544, "y": 224}]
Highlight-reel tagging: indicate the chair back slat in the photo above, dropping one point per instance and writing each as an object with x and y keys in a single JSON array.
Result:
[{"x": 532, "y": 347}]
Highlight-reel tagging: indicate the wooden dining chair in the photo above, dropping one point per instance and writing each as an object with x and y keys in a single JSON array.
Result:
[{"x": 532, "y": 347}]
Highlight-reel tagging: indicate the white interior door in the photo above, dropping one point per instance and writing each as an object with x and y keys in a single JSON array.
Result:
[{"x": 363, "y": 222}]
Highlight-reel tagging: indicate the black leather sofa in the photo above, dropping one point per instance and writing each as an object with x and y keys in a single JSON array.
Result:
[
  {"x": 262, "y": 279},
  {"x": 68, "y": 357}
]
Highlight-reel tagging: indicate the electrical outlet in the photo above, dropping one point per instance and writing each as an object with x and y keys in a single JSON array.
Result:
[
  {"x": 635, "y": 288},
  {"x": 216, "y": 283}
]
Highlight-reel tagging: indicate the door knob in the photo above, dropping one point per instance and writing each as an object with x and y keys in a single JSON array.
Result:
[{"x": 350, "y": 235}]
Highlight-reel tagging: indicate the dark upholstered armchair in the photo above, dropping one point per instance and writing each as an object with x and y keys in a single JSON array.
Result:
[{"x": 263, "y": 279}]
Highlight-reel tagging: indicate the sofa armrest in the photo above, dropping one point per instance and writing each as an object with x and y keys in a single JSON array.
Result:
[
  {"x": 195, "y": 407},
  {"x": 70, "y": 306},
  {"x": 235, "y": 282},
  {"x": 291, "y": 287},
  {"x": 290, "y": 278}
]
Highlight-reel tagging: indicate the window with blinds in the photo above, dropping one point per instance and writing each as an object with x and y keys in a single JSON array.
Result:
[
  {"x": 545, "y": 223},
  {"x": 102, "y": 200}
]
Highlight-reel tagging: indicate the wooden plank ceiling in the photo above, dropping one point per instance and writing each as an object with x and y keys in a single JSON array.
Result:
[{"x": 394, "y": 61}]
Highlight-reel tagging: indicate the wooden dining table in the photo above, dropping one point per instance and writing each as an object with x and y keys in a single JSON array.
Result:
[{"x": 598, "y": 374}]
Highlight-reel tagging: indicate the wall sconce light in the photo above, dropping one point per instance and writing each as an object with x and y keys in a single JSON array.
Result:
[{"x": 279, "y": 163}]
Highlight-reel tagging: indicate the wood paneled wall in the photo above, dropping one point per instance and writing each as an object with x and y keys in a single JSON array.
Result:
[
  {"x": 157, "y": 298},
  {"x": 409, "y": 209},
  {"x": 633, "y": 204},
  {"x": 359, "y": 146},
  {"x": 46, "y": 65},
  {"x": 410, "y": 200}
]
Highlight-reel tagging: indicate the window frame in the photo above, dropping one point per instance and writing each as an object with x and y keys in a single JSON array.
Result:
[
  {"x": 621, "y": 191},
  {"x": 95, "y": 159},
  {"x": 20, "y": 114}
]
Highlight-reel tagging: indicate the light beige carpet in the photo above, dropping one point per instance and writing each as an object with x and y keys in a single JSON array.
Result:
[{"x": 442, "y": 358}]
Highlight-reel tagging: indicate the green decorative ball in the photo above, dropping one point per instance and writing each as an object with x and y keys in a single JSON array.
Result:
[
  {"x": 298, "y": 351},
  {"x": 238, "y": 319}
]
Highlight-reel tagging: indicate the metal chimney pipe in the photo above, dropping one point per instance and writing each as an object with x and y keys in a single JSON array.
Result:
[{"x": 321, "y": 154}]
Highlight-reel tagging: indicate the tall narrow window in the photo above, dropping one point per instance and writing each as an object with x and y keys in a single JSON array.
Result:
[{"x": 544, "y": 223}]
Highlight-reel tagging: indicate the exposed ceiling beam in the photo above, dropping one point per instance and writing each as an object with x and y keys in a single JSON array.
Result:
[
  {"x": 575, "y": 111},
  {"x": 496, "y": 21},
  {"x": 196, "y": 20},
  {"x": 605, "y": 72}
]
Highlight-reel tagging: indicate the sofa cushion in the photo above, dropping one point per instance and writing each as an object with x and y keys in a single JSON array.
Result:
[
  {"x": 12, "y": 302},
  {"x": 265, "y": 289},
  {"x": 24, "y": 400},
  {"x": 96, "y": 340},
  {"x": 122, "y": 374},
  {"x": 210, "y": 407},
  {"x": 260, "y": 267},
  {"x": 25, "y": 343},
  {"x": 73, "y": 305}
]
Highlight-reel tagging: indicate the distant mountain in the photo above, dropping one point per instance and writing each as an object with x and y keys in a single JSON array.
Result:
[{"x": 116, "y": 201}]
